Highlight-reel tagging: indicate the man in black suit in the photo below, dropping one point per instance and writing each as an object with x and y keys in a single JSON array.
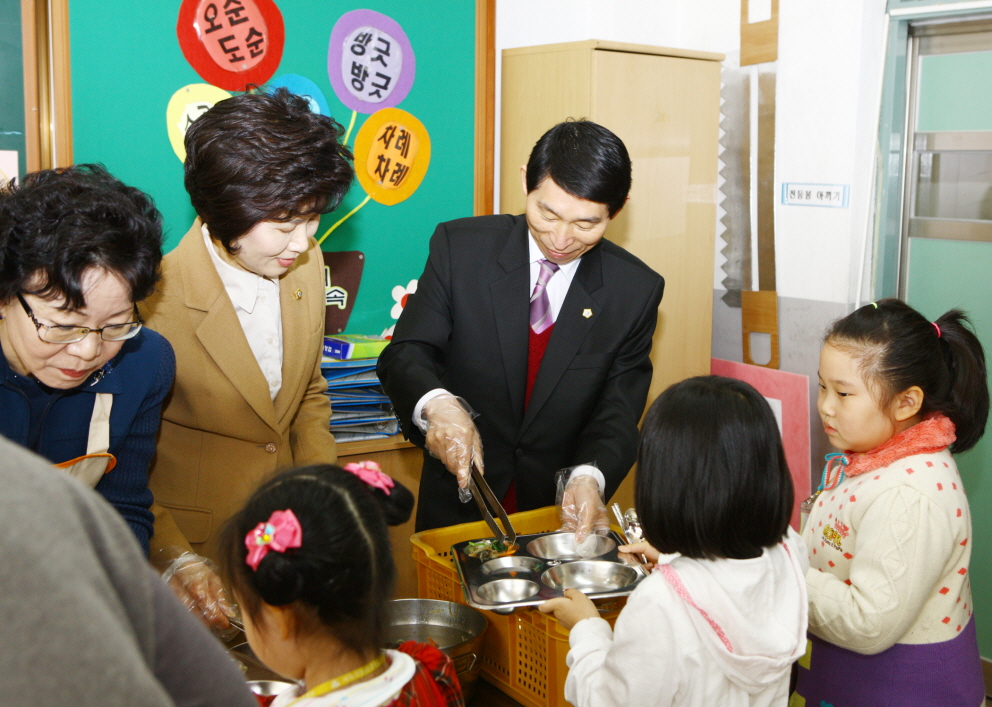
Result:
[{"x": 539, "y": 326}]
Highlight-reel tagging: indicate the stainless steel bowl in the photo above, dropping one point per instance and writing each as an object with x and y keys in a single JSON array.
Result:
[
  {"x": 456, "y": 629},
  {"x": 266, "y": 688},
  {"x": 506, "y": 590},
  {"x": 506, "y": 565},
  {"x": 590, "y": 576},
  {"x": 561, "y": 546},
  {"x": 251, "y": 667}
]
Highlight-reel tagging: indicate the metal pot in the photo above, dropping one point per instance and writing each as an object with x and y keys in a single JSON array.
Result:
[
  {"x": 251, "y": 667},
  {"x": 456, "y": 629}
]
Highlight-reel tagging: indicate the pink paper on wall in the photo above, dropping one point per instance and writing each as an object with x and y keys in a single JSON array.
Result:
[{"x": 792, "y": 392}]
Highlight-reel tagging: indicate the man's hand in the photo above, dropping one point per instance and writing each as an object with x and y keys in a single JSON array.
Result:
[
  {"x": 583, "y": 510},
  {"x": 571, "y": 608},
  {"x": 452, "y": 437}
]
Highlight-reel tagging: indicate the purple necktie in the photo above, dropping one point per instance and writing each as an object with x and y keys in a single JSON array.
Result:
[{"x": 540, "y": 306}]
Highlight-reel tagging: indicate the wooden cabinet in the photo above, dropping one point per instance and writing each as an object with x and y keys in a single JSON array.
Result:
[
  {"x": 401, "y": 460},
  {"x": 665, "y": 105}
]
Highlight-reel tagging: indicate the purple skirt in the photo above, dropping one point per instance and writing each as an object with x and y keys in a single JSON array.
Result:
[{"x": 948, "y": 674}]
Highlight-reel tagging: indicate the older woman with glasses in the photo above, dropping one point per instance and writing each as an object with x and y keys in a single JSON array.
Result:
[{"x": 81, "y": 382}]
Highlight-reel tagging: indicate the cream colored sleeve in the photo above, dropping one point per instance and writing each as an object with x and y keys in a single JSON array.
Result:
[{"x": 903, "y": 543}]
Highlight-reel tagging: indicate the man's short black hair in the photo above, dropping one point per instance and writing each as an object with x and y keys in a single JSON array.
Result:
[
  {"x": 712, "y": 480},
  {"x": 263, "y": 157},
  {"x": 60, "y": 223},
  {"x": 586, "y": 160}
]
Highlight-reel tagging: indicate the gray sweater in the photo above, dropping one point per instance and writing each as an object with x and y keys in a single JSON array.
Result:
[{"x": 84, "y": 622}]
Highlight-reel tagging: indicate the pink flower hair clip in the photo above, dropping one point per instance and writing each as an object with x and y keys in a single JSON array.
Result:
[
  {"x": 280, "y": 533},
  {"x": 371, "y": 473}
]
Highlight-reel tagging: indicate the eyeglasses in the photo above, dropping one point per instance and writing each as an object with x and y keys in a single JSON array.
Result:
[{"x": 65, "y": 334}]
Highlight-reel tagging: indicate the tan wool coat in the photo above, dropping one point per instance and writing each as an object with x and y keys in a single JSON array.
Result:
[{"x": 221, "y": 433}]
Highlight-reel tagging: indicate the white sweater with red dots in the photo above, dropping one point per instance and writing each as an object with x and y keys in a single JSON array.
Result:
[{"x": 889, "y": 549}]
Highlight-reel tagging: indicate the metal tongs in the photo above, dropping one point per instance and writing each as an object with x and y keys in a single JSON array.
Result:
[
  {"x": 631, "y": 529},
  {"x": 486, "y": 500}
]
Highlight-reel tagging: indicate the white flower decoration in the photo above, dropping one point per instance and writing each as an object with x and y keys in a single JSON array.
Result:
[
  {"x": 388, "y": 333},
  {"x": 400, "y": 294}
]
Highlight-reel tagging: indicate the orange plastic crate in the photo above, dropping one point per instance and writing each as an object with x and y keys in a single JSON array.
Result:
[{"x": 524, "y": 651}]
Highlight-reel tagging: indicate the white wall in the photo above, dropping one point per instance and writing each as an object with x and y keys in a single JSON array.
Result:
[{"x": 828, "y": 84}]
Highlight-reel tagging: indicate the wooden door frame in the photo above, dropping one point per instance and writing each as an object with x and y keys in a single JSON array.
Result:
[
  {"x": 485, "y": 105},
  {"x": 47, "y": 84}
]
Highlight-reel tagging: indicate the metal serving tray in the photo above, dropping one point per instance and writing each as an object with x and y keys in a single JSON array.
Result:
[{"x": 542, "y": 568}]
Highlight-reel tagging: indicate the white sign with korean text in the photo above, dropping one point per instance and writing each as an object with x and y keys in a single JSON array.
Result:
[{"x": 832, "y": 195}]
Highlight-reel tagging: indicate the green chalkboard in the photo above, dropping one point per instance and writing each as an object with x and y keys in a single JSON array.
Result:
[
  {"x": 11, "y": 83},
  {"x": 127, "y": 63}
]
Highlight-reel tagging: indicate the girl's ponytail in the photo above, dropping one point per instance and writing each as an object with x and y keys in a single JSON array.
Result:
[
  {"x": 967, "y": 400},
  {"x": 278, "y": 580}
]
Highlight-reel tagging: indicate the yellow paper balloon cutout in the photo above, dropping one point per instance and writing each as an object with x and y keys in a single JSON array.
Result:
[
  {"x": 392, "y": 153},
  {"x": 186, "y": 105}
]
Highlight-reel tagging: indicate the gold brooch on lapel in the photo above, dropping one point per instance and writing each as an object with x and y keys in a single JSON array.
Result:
[
  {"x": 298, "y": 294},
  {"x": 586, "y": 313}
]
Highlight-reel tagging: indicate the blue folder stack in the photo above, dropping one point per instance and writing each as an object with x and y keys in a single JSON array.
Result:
[{"x": 359, "y": 408}]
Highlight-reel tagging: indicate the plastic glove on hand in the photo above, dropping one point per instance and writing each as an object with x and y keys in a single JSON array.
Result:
[
  {"x": 452, "y": 437},
  {"x": 583, "y": 511},
  {"x": 193, "y": 580}
]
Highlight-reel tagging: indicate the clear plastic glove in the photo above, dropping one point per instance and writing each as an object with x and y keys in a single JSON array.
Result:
[
  {"x": 582, "y": 510},
  {"x": 453, "y": 438},
  {"x": 195, "y": 582},
  {"x": 571, "y": 608}
]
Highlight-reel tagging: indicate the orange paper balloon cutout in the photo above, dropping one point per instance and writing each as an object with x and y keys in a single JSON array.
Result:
[{"x": 392, "y": 153}]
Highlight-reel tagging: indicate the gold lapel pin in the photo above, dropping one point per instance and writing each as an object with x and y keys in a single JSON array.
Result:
[
  {"x": 298, "y": 294},
  {"x": 586, "y": 313}
]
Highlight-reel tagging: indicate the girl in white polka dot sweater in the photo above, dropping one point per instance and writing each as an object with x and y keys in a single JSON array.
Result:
[{"x": 889, "y": 531}]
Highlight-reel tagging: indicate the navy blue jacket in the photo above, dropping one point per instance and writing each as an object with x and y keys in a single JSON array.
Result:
[{"x": 139, "y": 377}]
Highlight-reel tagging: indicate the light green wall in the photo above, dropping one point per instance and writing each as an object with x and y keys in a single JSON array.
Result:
[
  {"x": 955, "y": 92},
  {"x": 943, "y": 275},
  {"x": 126, "y": 64}
]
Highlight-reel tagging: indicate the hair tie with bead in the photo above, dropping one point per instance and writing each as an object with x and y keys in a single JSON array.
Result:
[
  {"x": 937, "y": 328},
  {"x": 371, "y": 473}
]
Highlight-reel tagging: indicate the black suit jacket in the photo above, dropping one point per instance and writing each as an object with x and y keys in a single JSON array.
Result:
[{"x": 466, "y": 330}]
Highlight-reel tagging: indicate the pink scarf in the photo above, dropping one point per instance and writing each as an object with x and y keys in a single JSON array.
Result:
[{"x": 934, "y": 433}]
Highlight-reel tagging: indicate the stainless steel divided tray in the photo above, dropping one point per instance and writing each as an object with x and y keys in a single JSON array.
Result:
[{"x": 544, "y": 566}]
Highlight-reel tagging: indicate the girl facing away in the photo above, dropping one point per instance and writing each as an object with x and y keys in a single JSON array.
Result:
[
  {"x": 889, "y": 531},
  {"x": 722, "y": 617},
  {"x": 310, "y": 564}
]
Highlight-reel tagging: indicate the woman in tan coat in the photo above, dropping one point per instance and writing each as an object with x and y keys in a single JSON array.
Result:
[{"x": 242, "y": 302}]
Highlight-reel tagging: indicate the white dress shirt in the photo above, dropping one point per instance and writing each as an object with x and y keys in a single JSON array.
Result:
[{"x": 256, "y": 301}]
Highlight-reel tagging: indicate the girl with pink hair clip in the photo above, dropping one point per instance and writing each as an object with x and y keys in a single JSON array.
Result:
[{"x": 309, "y": 561}]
